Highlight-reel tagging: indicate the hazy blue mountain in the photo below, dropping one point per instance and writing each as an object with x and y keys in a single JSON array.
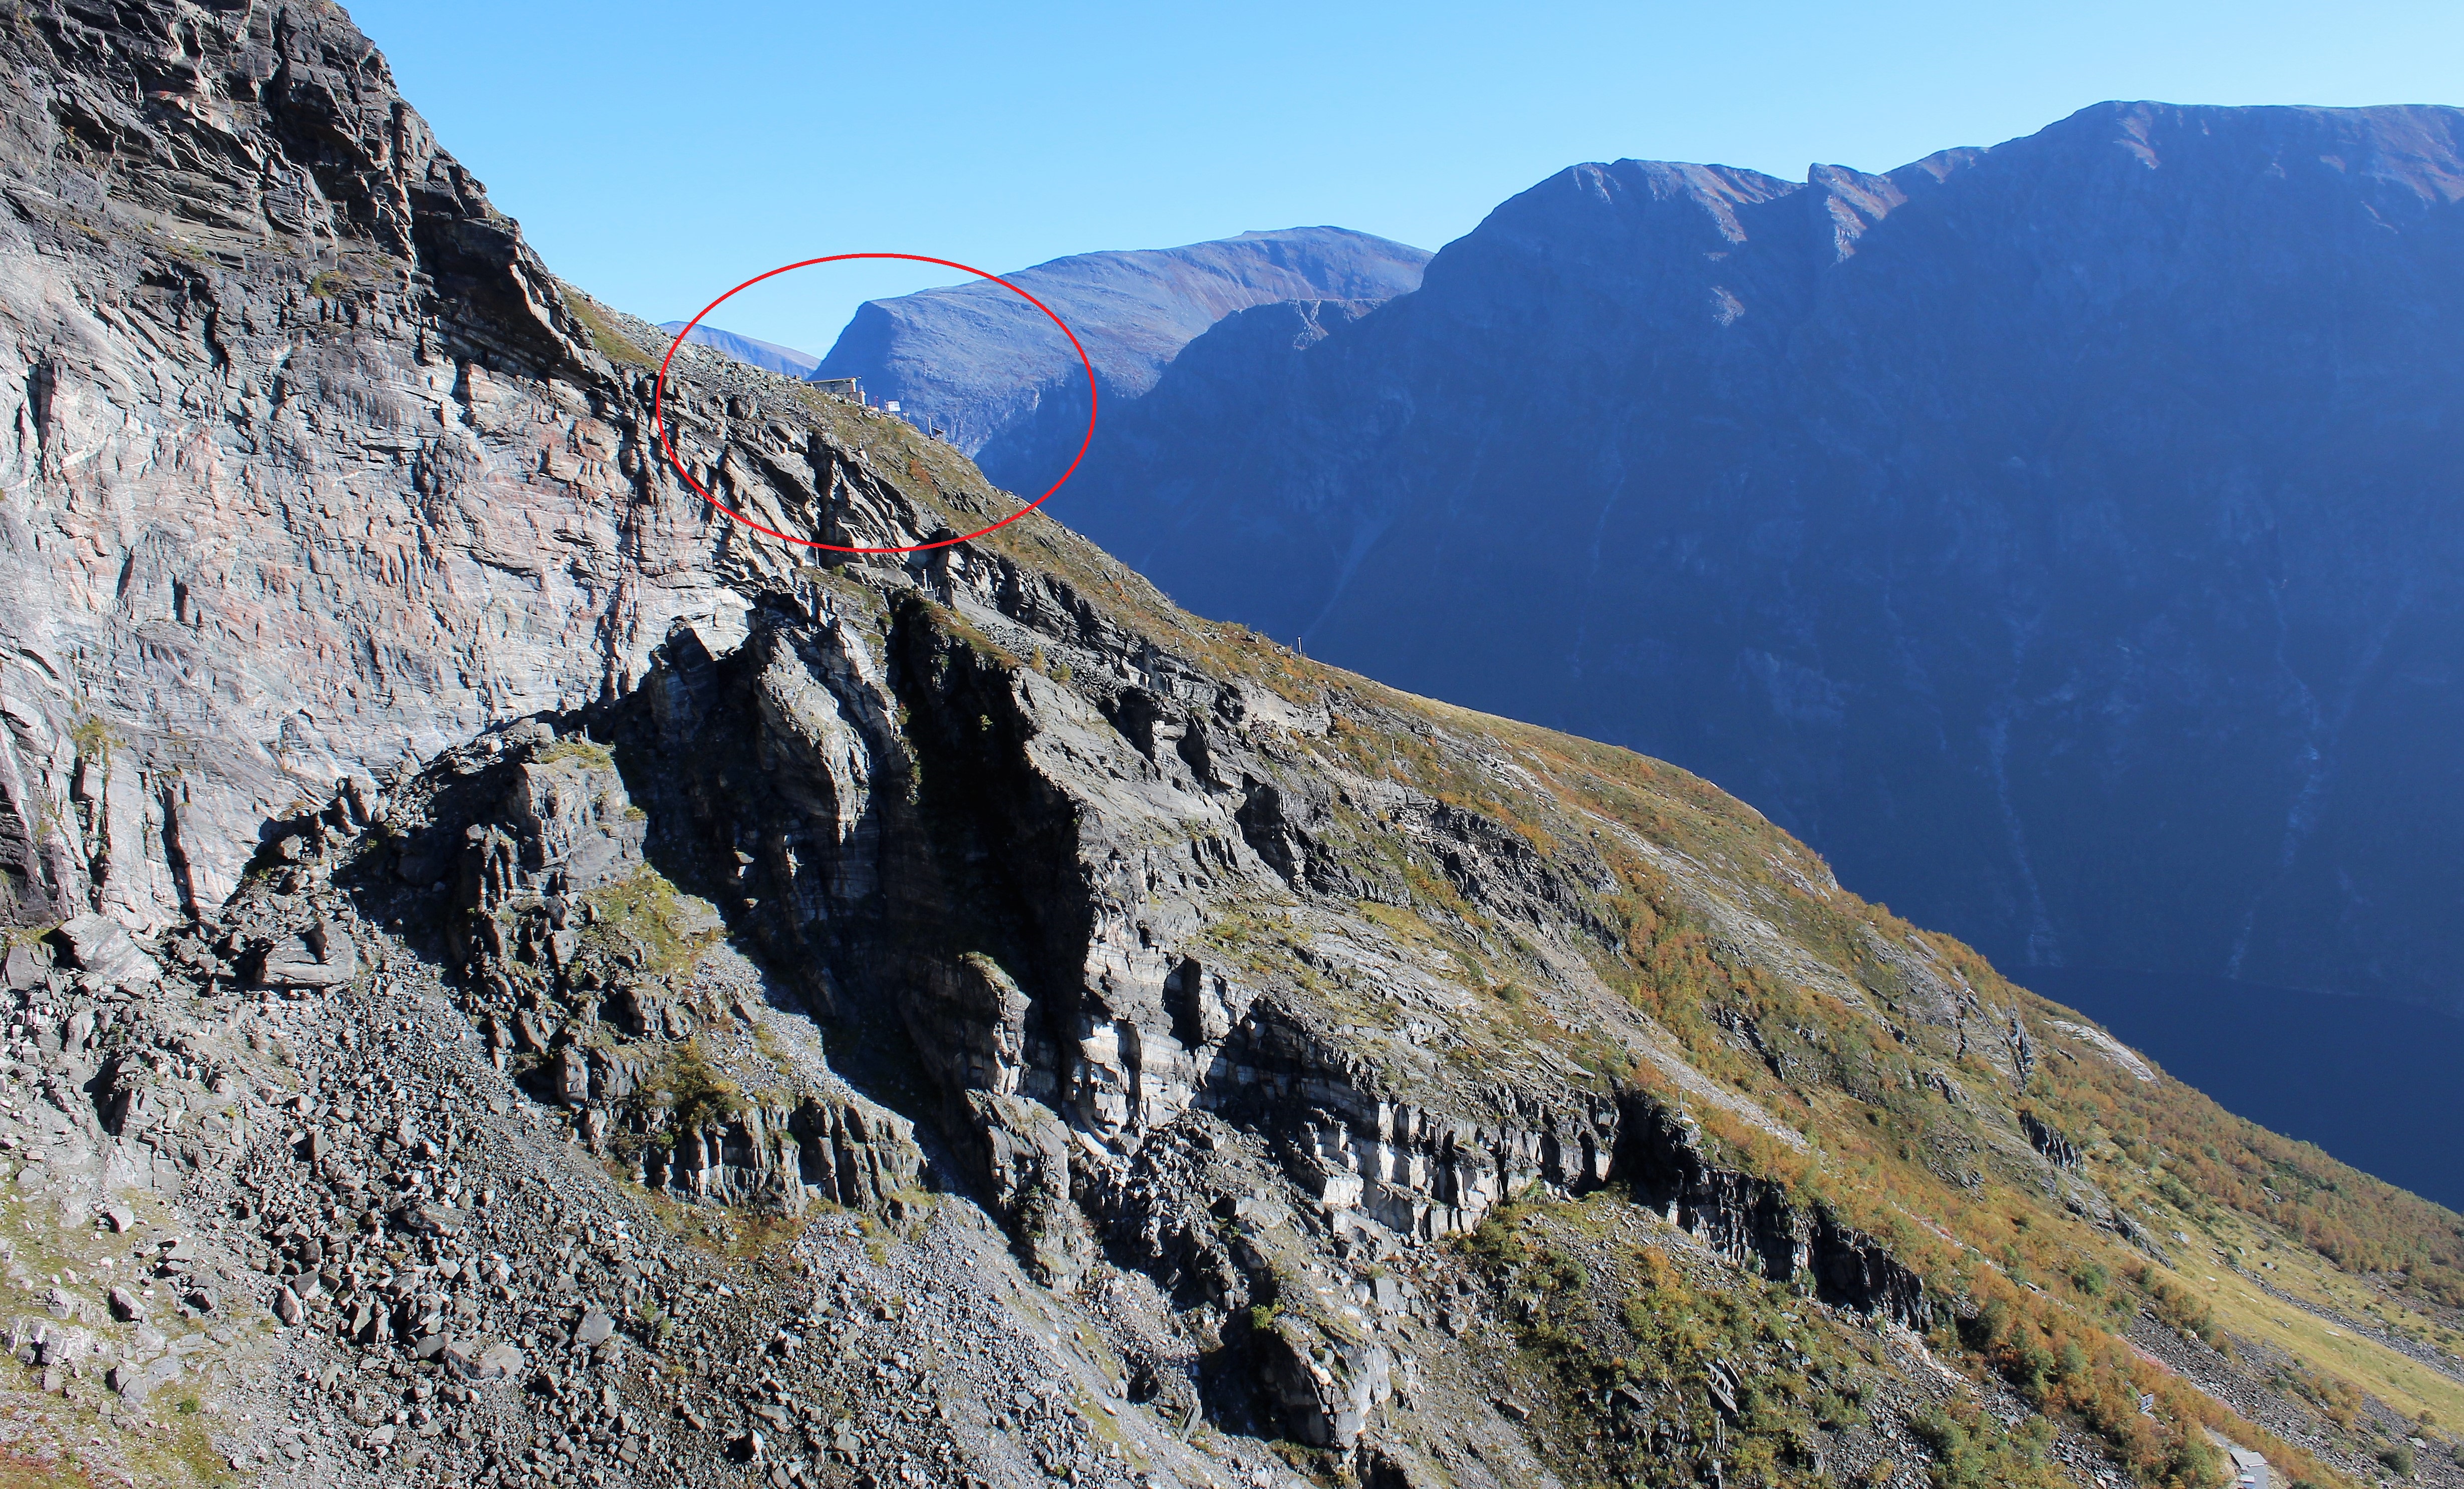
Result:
[
  {"x": 2067, "y": 538},
  {"x": 768, "y": 355},
  {"x": 992, "y": 370}
]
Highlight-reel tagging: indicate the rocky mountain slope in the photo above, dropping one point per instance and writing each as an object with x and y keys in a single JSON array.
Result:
[
  {"x": 2054, "y": 535},
  {"x": 2365, "y": 1078},
  {"x": 992, "y": 370},
  {"x": 514, "y": 984}
]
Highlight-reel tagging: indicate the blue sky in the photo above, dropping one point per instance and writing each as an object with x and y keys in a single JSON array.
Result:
[{"x": 658, "y": 153}]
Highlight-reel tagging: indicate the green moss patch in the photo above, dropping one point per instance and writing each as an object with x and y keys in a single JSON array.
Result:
[{"x": 647, "y": 924}]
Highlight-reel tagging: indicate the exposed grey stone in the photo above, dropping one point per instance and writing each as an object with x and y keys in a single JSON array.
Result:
[
  {"x": 136, "y": 1381},
  {"x": 322, "y": 956},
  {"x": 27, "y": 964},
  {"x": 497, "y": 1362},
  {"x": 435, "y": 1219},
  {"x": 51, "y": 1342},
  {"x": 102, "y": 949}
]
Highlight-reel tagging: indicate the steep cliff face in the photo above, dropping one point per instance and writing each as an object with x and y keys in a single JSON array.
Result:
[
  {"x": 953, "y": 1017},
  {"x": 994, "y": 372},
  {"x": 309, "y": 465},
  {"x": 2053, "y": 534}
]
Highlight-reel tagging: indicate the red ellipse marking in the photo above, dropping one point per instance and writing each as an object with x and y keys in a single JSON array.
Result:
[{"x": 659, "y": 395}]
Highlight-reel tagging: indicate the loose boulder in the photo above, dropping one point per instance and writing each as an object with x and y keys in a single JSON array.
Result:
[
  {"x": 322, "y": 956},
  {"x": 101, "y": 948}
]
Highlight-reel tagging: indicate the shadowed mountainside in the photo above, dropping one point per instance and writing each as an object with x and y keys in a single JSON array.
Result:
[{"x": 2061, "y": 536}]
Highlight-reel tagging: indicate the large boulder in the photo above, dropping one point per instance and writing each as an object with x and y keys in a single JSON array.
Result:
[
  {"x": 26, "y": 966},
  {"x": 321, "y": 956},
  {"x": 1327, "y": 1387},
  {"x": 1025, "y": 1155},
  {"x": 101, "y": 948},
  {"x": 573, "y": 827}
]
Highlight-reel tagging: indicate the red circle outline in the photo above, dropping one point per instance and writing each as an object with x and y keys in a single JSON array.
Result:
[{"x": 659, "y": 393}]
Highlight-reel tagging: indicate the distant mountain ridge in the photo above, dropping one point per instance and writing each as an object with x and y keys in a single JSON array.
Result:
[
  {"x": 2062, "y": 535},
  {"x": 769, "y": 356},
  {"x": 980, "y": 361}
]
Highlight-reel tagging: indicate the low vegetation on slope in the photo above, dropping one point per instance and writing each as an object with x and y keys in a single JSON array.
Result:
[{"x": 1627, "y": 931}]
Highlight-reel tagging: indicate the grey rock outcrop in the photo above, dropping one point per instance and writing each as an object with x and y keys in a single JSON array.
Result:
[
  {"x": 1026, "y": 1156},
  {"x": 1755, "y": 1223},
  {"x": 102, "y": 950},
  {"x": 322, "y": 956},
  {"x": 890, "y": 784},
  {"x": 586, "y": 967},
  {"x": 309, "y": 463}
]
